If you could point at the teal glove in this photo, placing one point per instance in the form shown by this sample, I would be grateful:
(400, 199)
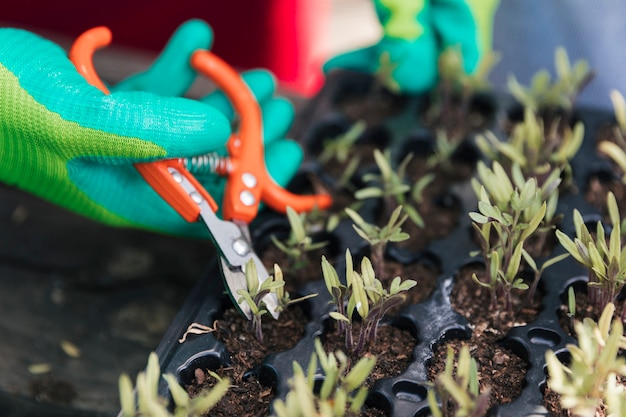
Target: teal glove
(415, 32)
(67, 142)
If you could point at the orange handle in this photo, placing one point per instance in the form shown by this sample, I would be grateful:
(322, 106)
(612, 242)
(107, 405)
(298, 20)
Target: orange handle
(157, 173)
(248, 180)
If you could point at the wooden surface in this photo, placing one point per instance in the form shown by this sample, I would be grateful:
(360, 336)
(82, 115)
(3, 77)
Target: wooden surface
(109, 292)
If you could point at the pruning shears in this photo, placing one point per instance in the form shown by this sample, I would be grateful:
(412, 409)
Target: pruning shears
(248, 182)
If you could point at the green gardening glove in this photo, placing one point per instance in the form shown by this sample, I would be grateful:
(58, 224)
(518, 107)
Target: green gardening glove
(278, 113)
(67, 142)
(414, 33)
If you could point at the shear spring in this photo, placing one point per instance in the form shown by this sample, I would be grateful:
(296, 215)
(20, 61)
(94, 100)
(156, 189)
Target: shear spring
(210, 163)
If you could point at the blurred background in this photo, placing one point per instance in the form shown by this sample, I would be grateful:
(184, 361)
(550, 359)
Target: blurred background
(110, 292)
(293, 37)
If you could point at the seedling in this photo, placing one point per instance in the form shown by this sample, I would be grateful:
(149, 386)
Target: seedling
(379, 237)
(507, 217)
(458, 391)
(604, 259)
(341, 391)
(455, 89)
(543, 93)
(255, 291)
(590, 378)
(444, 150)
(253, 296)
(615, 150)
(364, 295)
(342, 147)
(392, 187)
(149, 404)
(571, 306)
(284, 298)
(299, 242)
(536, 151)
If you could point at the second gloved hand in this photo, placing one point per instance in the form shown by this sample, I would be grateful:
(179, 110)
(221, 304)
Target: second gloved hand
(414, 33)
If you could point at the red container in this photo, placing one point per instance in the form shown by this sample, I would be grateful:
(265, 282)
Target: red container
(284, 36)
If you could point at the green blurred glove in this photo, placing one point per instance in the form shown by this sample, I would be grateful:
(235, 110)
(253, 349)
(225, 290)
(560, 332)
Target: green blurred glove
(67, 142)
(415, 32)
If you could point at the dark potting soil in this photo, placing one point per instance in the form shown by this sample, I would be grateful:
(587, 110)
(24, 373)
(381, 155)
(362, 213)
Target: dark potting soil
(247, 396)
(393, 351)
(424, 275)
(499, 368)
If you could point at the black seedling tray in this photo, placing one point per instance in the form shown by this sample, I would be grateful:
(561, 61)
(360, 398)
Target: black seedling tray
(431, 321)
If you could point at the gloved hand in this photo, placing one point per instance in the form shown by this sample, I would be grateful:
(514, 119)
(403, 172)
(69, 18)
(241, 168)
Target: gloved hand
(69, 143)
(415, 32)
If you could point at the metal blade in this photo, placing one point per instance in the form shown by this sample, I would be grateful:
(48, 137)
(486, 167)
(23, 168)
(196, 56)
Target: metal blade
(233, 243)
(234, 281)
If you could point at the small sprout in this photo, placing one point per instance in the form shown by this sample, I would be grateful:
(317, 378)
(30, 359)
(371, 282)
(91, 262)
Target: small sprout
(458, 391)
(379, 237)
(509, 213)
(562, 93)
(536, 151)
(256, 291)
(571, 306)
(300, 241)
(253, 295)
(284, 299)
(340, 148)
(589, 379)
(451, 109)
(571, 302)
(604, 259)
(390, 184)
(615, 151)
(364, 295)
(149, 404)
(342, 390)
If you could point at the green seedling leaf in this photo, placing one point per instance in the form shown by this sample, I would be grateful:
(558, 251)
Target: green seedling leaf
(127, 396)
(534, 223)
(369, 192)
(201, 404)
(398, 286)
(571, 302)
(153, 373)
(331, 279)
(619, 106)
(339, 317)
(296, 223)
(359, 373)
(179, 395)
(554, 260)
(478, 218)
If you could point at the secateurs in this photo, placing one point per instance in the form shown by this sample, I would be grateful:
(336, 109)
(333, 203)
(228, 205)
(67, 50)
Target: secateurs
(248, 182)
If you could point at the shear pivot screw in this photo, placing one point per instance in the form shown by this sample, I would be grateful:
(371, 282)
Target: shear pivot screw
(196, 197)
(247, 198)
(249, 180)
(241, 247)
